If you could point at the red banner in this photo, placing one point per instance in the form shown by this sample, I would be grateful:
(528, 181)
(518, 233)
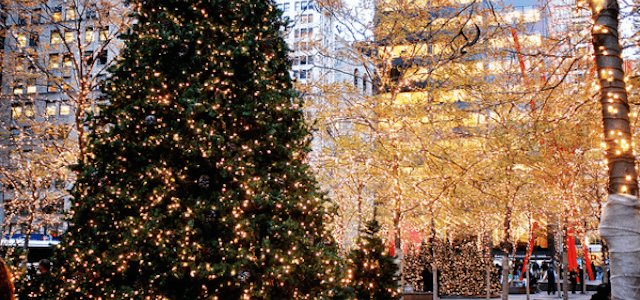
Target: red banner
(531, 244)
(571, 251)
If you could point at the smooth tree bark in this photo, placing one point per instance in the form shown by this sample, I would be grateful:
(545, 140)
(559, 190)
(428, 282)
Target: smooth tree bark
(621, 214)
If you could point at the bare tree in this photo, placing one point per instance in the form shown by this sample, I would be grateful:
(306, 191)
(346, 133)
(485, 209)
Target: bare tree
(54, 60)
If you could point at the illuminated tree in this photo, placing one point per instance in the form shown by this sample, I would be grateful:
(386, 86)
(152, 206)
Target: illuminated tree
(371, 271)
(194, 184)
(621, 214)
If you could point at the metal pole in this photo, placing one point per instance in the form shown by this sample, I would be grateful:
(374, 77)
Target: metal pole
(526, 284)
(584, 276)
(565, 276)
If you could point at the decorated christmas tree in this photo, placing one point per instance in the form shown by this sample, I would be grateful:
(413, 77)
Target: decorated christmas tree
(195, 185)
(371, 272)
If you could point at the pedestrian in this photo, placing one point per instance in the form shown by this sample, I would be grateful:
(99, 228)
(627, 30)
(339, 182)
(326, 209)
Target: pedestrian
(603, 292)
(573, 278)
(38, 286)
(551, 281)
(7, 289)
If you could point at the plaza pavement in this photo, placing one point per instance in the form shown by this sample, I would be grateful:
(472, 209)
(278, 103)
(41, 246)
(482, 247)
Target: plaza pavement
(537, 296)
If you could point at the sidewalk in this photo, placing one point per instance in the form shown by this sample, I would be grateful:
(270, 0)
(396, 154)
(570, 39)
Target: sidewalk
(537, 296)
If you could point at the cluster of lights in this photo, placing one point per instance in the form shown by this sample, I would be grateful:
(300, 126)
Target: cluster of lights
(613, 98)
(257, 226)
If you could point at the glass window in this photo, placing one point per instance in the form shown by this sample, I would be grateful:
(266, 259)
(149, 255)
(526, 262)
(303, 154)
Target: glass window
(51, 109)
(65, 109)
(22, 40)
(297, 8)
(20, 62)
(71, 14)
(66, 61)
(31, 87)
(16, 111)
(29, 110)
(57, 14)
(104, 33)
(55, 37)
(33, 40)
(68, 36)
(88, 35)
(88, 57)
(27, 130)
(286, 6)
(36, 18)
(91, 12)
(52, 87)
(54, 61)
(18, 89)
(103, 57)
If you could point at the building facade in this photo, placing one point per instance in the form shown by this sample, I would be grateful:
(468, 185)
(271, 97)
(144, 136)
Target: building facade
(54, 57)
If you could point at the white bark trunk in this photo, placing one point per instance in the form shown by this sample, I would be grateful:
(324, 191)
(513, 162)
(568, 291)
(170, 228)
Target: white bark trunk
(620, 228)
(505, 276)
(488, 274)
(434, 270)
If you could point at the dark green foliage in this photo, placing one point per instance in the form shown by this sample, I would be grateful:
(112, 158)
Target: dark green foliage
(371, 271)
(195, 185)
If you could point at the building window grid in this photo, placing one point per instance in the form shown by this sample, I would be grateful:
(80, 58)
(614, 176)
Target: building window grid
(306, 18)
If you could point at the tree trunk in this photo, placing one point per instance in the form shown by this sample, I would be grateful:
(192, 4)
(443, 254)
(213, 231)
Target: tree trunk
(434, 270)
(619, 228)
(620, 218)
(488, 274)
(505, 275)
(613, 97)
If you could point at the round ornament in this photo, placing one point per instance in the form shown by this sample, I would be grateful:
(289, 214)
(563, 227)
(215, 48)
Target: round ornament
(183, 50)
(150, 119)
(243, 276)
(203, 181)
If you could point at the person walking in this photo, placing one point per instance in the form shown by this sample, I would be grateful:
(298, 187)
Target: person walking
(551, 281)
(7, 290)
(573, 278)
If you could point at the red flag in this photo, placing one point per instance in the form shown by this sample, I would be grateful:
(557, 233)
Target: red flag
(392, 249)
(571, 251)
